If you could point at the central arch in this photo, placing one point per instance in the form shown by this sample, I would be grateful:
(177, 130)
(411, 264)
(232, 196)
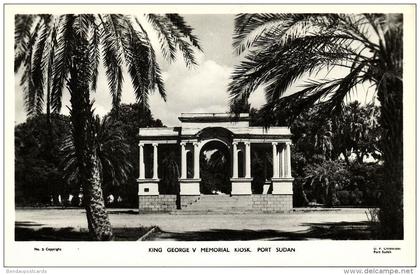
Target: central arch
(215, 167)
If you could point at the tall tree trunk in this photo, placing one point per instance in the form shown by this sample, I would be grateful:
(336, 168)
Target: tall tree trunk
(85, 144)
(391, 213)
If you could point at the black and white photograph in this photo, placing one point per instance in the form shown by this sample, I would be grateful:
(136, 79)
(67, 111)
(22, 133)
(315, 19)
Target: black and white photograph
(223, 131)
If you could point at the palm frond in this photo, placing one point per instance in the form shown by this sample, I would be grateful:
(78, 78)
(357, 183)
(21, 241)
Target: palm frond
(82, 24)
(250, 28)
(179, 22)
(95, 41)
(173, 38)
(50, 57)
(167, 43)
(335, 103)
(113, 28)
(327, 94)
(40, 63)
(62, 60)
(282, 48)
(49, 50)
(155, 73)
(138, 58)
(23, 25)
(280, 67)
(27, 81)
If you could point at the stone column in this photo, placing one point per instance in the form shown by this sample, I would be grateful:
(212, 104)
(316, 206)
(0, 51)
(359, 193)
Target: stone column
(155, 161)
(141, 161)
(241, 185)
(189, 186)
(275, 161)
(281, 161)
(235, 160)
(288, 160)
(247, 159)
(196, 160)
(148, 186)
(282, 182)
(183, 161)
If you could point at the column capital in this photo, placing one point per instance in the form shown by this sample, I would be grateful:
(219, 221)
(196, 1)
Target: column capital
(247, 143)
(183, 143)
(196, 143)
(234, 143)
(288, 143)
(154, 144)
(141, 144)
(274, 143)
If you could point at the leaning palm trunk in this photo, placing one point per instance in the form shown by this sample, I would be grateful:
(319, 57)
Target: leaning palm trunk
(84, 143)
(97, 216)
(391, 214)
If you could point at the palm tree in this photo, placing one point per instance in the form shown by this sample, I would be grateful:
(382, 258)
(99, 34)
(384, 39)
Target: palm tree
(112, 150)
(58, 51)
(283, 48)
(169, 174)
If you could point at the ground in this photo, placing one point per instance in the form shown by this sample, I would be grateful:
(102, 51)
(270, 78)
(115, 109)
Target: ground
(301, 224)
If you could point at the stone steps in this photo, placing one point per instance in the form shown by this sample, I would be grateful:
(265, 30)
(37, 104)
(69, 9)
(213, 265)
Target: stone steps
(218, 204)
(210, 212)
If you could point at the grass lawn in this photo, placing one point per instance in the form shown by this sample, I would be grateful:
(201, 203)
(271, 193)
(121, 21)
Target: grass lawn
(43, 224)
(72, 234)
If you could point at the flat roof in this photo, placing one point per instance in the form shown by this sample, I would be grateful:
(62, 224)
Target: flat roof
(212, 117)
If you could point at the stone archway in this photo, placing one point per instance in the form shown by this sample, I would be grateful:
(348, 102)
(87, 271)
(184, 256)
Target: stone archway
(215, 167)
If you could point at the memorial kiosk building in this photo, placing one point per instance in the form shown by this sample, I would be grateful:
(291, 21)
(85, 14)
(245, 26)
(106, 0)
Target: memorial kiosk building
(240, 139)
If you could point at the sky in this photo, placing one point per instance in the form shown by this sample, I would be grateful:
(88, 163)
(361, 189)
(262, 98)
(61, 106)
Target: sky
(202, 88)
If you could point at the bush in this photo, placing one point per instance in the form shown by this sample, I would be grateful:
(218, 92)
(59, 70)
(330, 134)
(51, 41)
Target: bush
(333, 183)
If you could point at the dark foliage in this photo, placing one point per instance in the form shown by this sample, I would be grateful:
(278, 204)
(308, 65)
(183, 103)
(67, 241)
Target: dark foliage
(38, 178)
(283, 48)
(329, 157)
(215, 169)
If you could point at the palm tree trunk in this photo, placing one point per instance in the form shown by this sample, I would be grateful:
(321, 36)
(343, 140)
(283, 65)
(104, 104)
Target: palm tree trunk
(391, 213)
(85, 145)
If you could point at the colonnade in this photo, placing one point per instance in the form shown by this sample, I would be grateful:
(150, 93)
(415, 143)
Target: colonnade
(184, 167)
(241, 185)
(142, 175)
(281, 160)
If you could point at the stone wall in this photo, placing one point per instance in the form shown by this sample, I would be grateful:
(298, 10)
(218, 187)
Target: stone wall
(159, 203)
(163, 203)
(272, 203)
(269, 203)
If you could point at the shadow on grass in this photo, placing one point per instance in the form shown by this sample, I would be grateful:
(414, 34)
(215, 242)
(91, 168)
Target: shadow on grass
(27, 223)
(130, 212)
(327, 231)
(23, 233)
